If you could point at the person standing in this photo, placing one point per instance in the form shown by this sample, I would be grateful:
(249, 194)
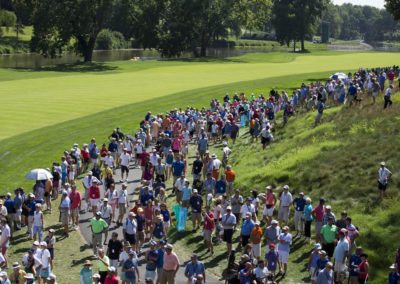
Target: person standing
(286, 201)
(230, 176)
(339, 256)
(124, 159)
(285, 241)
(122, 203)
(307, 218)
(299, 204)
(38, 223)
(103, 263)
(170, 267)
(236, 203)
(194, 268)
(228, 223)
(97, 226)
(208, 228)
(87, 183)
(318, 216)
(106, 215)
(151, 261)
(325, 276)
(47, 262)
(363, 269)
(328, 235)
(255, 240)
(270, 201)
(65, 212)
(246, 229)
(75, 207)
(114, 249)
(383, 179)
(5, 238)
(129, 229)
(18, 202)
(387, 97)
(196, 203)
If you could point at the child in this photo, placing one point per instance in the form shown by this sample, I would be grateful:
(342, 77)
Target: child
(38, 222)
(272, 260)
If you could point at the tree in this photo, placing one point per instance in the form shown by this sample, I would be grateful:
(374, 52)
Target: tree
(393, 6)
(296, 19)
(7, 20)
(59, 23)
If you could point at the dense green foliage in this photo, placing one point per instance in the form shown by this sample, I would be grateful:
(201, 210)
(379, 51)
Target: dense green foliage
(58, 23)
(295, 20)
(108, 39)
(7, 20)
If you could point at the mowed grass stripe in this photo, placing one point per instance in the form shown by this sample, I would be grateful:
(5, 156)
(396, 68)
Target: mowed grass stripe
(82, 94)
(39, 147)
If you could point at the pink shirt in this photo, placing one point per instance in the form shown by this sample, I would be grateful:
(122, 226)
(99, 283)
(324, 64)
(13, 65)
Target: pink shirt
(75, 199)
(319, 212)
(171, 261)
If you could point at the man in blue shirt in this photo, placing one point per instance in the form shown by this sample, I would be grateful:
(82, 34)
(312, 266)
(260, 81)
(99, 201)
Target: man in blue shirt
(196, 203)
(130, 268)
(9, 204)
(246, 229)
(18, 201)
(351, 94)
(177, 169)
(194, 267)
(220, 186)
(160, 260)
(146, 196)
(299, 203)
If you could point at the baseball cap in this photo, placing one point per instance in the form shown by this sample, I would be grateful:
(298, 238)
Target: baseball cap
(317, 246)
(274, 222)
(98, 213)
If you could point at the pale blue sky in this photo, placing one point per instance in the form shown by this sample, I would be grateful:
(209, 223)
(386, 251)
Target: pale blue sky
(375, 3)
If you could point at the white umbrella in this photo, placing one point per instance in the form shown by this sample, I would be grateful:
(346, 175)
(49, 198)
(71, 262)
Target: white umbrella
(39, 174)
(340, 76)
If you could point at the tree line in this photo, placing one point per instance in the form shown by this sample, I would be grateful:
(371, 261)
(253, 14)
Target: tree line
(175, 26)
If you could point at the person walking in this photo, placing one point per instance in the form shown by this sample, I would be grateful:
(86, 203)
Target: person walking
(340, 254)
(383, 179)
(106, 215)
(299, 203)
(325, 276)
(129, 228)
(270, 201)
(208, 228)
(114, 249)
(194, 268)
(387, 97)
(285, 241)
(170, 267)
(75, 207)
(228, 222)
(97, 225)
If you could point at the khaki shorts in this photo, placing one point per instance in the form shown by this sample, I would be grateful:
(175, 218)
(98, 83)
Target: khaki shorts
(122, 208)
(207, 235)
(65, 217)
(74, 212)
(196, 217)
(141, 236)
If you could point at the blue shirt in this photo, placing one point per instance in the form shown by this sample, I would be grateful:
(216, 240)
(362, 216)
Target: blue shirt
(158, 231)
(272, 257)
(243, 278)
(299, 203)
(31, 205)
(145, 198)
(193, 269)
(177, 168)
(220, 187)
(307, 212)
(355, 260)
(393, 278)
(196, 202)
(128, 264)
(165, 214)
(18, 201)
(160, 260)
(9, 204)
(186, 193)
(113, 147)
(247, 226)
(352, 90)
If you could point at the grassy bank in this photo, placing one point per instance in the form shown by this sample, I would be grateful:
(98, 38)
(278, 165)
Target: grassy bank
(338, 160)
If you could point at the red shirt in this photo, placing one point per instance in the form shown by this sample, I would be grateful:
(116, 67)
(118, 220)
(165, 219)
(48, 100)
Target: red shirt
(319, 212)
(113, 279)
(75, 199)
(94, 192)
(208, 224)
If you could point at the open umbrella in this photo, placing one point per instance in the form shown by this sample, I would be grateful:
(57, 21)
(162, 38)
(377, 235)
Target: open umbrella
(340, 76)
(39, 174)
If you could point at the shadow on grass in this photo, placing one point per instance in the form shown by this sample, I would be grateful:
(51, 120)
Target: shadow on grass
(80, 261)
(70, 67)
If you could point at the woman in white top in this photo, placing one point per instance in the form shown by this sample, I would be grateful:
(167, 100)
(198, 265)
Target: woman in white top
(37, 228)
(112, 196)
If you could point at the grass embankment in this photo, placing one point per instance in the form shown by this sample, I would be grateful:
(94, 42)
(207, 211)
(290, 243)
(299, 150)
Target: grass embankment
(9, 43)
(338, 160)
(51, 123)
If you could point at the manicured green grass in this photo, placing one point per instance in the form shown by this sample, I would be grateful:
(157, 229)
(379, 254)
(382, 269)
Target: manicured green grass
(53, 98)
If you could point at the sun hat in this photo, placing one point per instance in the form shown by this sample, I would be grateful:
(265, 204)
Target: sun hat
(229, 208)
(16, 265)
(96, 276)
(105, 199)
(111, 269)
(98, 213)
(286, 187)
(383, 163)
(36, 243)
(3, 273)
(274, 222)
(169, 246)
(43, 244)
(317, 246)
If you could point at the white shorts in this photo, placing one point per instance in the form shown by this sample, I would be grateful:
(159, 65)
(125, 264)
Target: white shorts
(313, 275)
(283, 256)
(268, 212)
(94, 202)
(256, 250)
(340, 267)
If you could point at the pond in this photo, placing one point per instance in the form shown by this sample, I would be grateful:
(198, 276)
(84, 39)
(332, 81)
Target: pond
(34, 60)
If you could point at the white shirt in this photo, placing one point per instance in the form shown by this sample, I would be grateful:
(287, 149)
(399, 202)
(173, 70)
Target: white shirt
(125, 158)
(122, 196)
(154, 159)
(3, 211)
(38, 257)
(37, 219)
(45, 258)
(105, 211)
(261, 272)
(88, 181)
(128, 145)
(180, 183)
(216, 163)
(5, 233)
(383, 174)
(247, 208)
(226, 151)
(109, 161)
(286, 199)
(139, 149)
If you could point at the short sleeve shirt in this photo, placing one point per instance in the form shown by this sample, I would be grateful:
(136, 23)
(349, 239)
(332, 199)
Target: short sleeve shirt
(329, 233)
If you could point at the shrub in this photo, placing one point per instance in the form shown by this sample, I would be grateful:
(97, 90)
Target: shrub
(107, 40)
